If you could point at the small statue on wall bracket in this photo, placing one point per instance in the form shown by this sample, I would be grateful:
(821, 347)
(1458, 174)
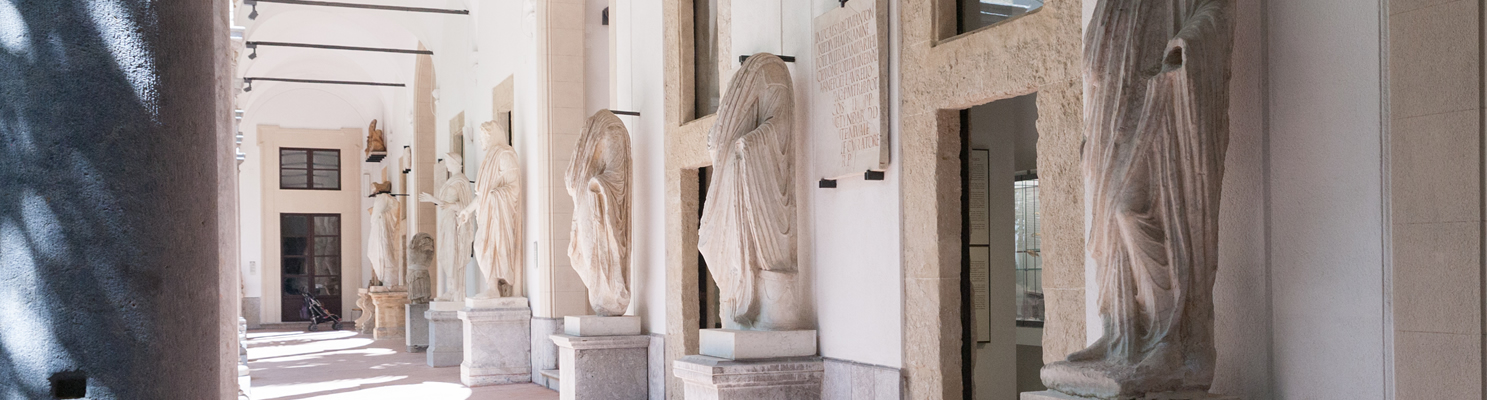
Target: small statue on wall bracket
(376, 143)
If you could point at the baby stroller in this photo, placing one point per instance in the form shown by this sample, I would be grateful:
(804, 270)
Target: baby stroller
(316, 313)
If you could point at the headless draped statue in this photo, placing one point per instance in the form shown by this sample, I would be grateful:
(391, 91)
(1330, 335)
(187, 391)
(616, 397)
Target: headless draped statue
(455, 238)
(1156, 130)
(747, 233)
(384, 244)
(497, 214)
(420, 256)
(598, 179)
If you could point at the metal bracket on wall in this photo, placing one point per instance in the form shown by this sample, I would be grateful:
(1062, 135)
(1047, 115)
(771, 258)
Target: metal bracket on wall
(788, 59)
(827, 184)
(630, 113)
(872, 175)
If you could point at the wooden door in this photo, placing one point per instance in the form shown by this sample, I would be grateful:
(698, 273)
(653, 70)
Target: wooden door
(310, 262)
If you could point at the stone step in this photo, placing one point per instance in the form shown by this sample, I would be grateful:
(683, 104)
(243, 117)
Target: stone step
(552, 378)
(346, 325)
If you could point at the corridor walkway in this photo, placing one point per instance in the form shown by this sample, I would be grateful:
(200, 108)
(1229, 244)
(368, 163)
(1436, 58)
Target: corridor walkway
(296, 365)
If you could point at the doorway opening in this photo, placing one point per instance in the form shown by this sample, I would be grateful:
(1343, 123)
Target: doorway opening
(707, 288)
(311, 262)
(1001, 266)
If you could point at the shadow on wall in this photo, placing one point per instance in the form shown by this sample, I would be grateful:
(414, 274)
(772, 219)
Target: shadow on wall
(103, 245)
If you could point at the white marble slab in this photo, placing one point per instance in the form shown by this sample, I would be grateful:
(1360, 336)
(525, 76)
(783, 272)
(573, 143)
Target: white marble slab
(750, 345)
(594, 325)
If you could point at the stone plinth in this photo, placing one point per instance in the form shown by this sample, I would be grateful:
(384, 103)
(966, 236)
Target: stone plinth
(390, 305)
(602, 367)
(497, 336)
(709, 378)
(417, 327)
(594, 325)
(446, 336)
(752, 345)
(1052, 395)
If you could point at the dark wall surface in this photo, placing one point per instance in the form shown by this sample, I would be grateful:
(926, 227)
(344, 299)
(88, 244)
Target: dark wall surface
(109, 167)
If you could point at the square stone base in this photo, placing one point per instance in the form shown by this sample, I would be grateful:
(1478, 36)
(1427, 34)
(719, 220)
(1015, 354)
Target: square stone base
(417, 328)
(594, 325)
(709, 378)
(391, 307)
(497, 336)
(602, 367)
(754, 345)
(446, 338)
(1052, 395)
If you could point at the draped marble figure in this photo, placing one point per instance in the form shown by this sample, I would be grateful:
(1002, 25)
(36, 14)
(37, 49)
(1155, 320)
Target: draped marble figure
(497, 214)
(598, 179)
(456, 238)
(384, 243)
(1156, 131)
(420, 256)
(747, 233)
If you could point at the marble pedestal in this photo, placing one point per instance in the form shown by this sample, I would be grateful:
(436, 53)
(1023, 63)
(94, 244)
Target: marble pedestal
(497, 341)
(417, 327)
(391, 305)
(752, 345)
(1052, 395)
(366, 320)
(602, 358)
(709, 378)
(446, 334)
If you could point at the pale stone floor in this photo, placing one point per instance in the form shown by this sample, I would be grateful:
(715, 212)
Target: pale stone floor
(295, 365)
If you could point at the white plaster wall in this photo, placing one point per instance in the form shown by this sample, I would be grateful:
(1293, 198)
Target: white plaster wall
(640, 86)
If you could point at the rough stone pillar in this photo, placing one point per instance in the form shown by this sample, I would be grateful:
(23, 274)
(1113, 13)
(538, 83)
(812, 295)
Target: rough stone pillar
(113, 161)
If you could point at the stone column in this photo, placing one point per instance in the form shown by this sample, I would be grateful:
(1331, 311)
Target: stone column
(116, 159)
(602, 358)
(446, 335)
(417, 327)
(497, 337)
(390, 307)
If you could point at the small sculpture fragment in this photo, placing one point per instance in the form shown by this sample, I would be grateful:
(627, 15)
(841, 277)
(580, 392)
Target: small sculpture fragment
(598, 179)
(497, 213)
(420, 255)
(456, 238)
(376, 143)
(747, 233)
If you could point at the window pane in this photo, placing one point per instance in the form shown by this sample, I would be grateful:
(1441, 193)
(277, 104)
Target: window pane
(296, 286)
(705, 39)
(328, 159)
(294, 225)
(327, 246)
(327, 179)
(293, 159)
(328, 226)
(294, 266)
(293, 246)
(327, 286)
(327, 266)
(293, 179)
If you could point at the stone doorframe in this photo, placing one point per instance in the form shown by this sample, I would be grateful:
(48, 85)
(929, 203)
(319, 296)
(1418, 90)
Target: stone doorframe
(942, 73)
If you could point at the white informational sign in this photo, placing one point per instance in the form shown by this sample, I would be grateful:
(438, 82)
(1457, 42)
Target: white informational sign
(978, 202)
(850, 98)
(980, 294)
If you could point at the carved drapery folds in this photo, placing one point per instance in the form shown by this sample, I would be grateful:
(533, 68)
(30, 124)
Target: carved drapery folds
(455, 238)
(1156, 130)
(497, 214)
(598, 178)
(385, 242)
(747, 233)
(420, 256)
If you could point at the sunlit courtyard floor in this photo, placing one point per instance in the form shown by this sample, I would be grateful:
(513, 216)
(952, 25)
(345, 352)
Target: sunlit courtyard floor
(294, 365)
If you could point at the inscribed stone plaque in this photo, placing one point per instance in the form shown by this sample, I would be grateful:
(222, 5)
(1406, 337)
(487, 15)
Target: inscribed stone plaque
(978, 201)
(980, 293)
(851, 92)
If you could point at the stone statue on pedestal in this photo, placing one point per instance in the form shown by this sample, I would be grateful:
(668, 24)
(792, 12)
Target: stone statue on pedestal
(1156, 129)
(384, 242)
(598, 179)
(420, 256)
(497, 214)
(747, 233)
(455, 238)
(375, 140)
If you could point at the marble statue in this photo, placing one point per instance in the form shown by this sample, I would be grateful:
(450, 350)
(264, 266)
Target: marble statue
(455, 238)
(1156, 129)
(384, 242)
(598, 179)
(375, 140)
(497, 214)
(747, 233)
(420, 255)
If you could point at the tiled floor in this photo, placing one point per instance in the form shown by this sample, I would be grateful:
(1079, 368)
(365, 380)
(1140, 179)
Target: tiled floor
(295, 365)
